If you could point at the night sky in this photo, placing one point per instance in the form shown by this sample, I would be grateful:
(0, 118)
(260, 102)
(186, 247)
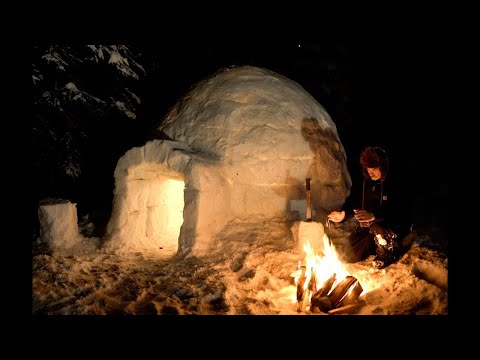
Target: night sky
(377, 93)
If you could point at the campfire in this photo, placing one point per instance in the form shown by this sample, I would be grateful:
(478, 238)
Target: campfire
(323, 284)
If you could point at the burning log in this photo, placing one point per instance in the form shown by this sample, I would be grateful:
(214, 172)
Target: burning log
(324, 304)
(301, 281)
(320, 262)
(348, 309)
(325, 289)
(320, 299)
(342, 299)
(341, 290)
(352, 295)
(303, 294)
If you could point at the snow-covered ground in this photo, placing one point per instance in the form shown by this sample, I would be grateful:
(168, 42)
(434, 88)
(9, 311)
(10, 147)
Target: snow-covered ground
(248, 272)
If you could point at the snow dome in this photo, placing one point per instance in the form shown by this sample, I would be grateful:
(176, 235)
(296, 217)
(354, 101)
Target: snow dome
(242, 144)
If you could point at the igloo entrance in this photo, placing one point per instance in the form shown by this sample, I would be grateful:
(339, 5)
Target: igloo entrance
(164, 212)
(149, 201)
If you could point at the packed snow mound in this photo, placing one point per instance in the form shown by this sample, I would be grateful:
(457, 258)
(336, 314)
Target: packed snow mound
(267, 128)
(242, 144)
(59, 228)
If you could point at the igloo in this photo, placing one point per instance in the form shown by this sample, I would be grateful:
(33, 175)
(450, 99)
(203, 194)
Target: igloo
(241, 145)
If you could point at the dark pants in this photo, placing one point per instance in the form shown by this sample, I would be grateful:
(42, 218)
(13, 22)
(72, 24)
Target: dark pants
(360, 243)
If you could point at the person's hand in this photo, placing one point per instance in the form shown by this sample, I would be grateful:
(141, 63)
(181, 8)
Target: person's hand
(336, 216)
(364, 216)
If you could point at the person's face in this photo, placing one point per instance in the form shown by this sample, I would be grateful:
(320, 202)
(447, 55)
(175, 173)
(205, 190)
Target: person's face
(374, 173)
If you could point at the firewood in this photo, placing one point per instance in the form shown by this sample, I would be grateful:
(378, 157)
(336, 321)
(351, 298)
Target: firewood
(320, 299)
(339, 292)
(305, 302)
(323, 303)
(342, 299)
(348, 309)
(312, 284)
(352, 294)
(301, 282)
(325, 289)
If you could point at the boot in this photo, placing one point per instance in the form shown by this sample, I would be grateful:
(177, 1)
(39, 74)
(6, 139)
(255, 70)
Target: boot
(387, 250)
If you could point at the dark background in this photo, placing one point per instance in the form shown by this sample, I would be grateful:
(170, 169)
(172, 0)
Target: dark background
(377, 93)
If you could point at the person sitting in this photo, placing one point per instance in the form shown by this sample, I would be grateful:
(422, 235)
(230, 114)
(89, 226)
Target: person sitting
(380, 212)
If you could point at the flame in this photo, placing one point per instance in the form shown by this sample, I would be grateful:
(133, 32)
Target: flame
(317, 268)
